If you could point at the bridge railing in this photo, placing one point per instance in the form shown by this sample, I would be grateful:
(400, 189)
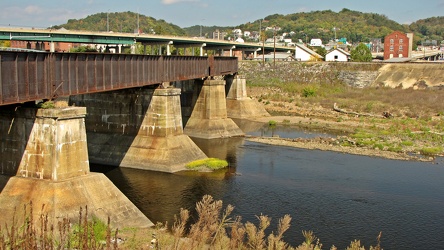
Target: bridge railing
(28, 76)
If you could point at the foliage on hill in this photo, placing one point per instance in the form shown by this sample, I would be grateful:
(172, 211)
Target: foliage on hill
(354, 25)
(126, 22)
(206, 31)
(430, 28)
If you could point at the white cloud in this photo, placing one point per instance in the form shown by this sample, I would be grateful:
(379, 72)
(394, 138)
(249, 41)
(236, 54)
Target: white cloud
(32, 9)
(37, 16)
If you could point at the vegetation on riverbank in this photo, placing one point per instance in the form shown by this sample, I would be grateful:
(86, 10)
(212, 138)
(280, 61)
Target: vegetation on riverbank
(406, 121)
(214, 228)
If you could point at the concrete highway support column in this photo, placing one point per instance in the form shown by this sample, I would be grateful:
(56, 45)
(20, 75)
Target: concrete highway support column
(51, 46)
(160, 143)
(239, 105)
(209, 117)
(54, 175)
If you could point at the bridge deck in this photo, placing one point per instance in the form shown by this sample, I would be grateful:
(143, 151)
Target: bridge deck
(28, 76)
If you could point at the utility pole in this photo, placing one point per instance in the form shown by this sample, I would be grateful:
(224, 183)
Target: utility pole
(263, 53)
(138, 27)
(260, 29)
(263, 42)
(201, 21)
(274, 47)
(107, 21)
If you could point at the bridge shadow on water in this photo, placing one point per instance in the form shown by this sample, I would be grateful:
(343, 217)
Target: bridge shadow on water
(160, 195)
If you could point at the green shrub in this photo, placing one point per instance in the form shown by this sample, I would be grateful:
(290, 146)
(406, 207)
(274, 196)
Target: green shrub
(407, 143)
(431, 151)
(210, 163)
(396, 149)
(46, 105)
(378, 146)
(309, 91)
(272, 123)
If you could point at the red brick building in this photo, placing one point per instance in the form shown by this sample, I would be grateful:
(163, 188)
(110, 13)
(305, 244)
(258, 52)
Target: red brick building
(45, 46)
(397, 45)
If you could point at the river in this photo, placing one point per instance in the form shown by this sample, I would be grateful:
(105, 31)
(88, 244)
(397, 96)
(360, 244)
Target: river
(340, 197)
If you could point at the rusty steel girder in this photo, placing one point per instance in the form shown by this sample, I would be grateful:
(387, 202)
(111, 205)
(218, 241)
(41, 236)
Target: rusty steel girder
(31, 76)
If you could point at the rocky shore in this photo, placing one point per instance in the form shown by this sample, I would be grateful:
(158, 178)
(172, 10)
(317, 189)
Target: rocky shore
(329, 124)
(333, 144)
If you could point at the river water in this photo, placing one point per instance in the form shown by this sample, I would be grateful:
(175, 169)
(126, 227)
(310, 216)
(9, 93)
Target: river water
(340, 197)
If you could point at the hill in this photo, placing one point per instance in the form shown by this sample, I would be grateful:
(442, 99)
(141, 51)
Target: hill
(126, 22)
(431, 28)
(353, 25)
(198, 30)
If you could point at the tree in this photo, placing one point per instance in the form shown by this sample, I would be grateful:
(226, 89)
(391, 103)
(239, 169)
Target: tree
(321, 51)
(361, 53)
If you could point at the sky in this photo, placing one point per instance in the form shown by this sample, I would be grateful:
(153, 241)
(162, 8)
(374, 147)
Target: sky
(186, 13)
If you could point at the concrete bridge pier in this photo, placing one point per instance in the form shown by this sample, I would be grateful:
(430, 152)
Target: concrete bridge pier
(209, 119)
(54, 175)
(160, 143)
(239, 105)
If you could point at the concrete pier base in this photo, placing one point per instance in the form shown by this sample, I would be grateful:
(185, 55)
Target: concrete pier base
(160, 143)
(54, 175)
(209, 117)
(239, 105)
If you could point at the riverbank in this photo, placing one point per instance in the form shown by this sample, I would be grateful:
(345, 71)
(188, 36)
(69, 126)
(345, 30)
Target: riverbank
(388, 134)
(341, 143)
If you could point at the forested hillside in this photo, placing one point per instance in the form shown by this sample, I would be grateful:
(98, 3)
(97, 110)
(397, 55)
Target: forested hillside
(354, 25)
(431, 28)
(126, 22)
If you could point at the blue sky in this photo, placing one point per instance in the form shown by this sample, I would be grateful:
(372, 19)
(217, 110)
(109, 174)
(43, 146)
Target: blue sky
(185, 13)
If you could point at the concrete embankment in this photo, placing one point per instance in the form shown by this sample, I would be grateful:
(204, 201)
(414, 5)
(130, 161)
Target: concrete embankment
(411, 75)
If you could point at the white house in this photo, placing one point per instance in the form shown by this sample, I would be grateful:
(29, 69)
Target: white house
(304, 54)
(316, 42)
(337, 55)
(237, 32)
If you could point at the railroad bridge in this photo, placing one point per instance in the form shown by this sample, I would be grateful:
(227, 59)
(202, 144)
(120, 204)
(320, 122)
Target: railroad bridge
(116, 109)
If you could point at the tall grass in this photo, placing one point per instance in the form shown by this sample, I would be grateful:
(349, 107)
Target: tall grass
(38, 233)
(214, 228)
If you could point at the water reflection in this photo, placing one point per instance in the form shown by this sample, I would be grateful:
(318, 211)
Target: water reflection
(280, 130)
(340, 197)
